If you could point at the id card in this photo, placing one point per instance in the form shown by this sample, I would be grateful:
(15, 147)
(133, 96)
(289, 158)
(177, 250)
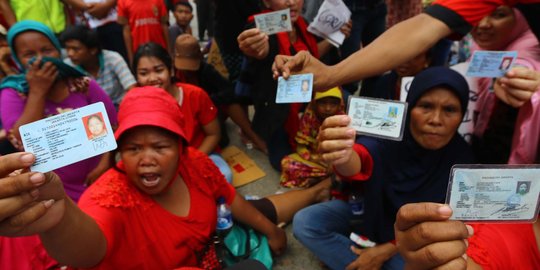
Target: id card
(274, 22)
(491, 64)
(296, 89)
(494, 193)
(377, 117)
(69, 137)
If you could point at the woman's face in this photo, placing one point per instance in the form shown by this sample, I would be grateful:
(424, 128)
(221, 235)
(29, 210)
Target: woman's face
(435, 118)
(95, 125)
(493, 30)
(152, 71)
(295, 6)
(33, 44)
(150, 156)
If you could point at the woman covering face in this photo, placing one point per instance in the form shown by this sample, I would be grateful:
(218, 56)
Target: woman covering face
(388, 174)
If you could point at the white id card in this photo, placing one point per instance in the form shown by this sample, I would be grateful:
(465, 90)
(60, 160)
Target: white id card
(274, 22)
(69, 137)
(494, 193)
(377, 117)
(491, 64)
(296, 89)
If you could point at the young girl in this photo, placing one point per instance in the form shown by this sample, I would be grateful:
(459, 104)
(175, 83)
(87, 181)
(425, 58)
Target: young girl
(152, 65)
(305, 167)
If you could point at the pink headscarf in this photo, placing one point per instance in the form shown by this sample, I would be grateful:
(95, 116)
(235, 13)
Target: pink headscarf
(526, 136)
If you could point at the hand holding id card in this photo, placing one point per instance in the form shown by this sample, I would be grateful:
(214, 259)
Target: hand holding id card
(296, 89)
(69, 137)
(494, 193)
(274, 22)
(377, 117)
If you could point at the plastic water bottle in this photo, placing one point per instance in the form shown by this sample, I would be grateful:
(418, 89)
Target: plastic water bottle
(224, 218)
(356, 201)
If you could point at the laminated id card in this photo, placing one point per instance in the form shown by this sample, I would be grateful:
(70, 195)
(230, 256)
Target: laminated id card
(377, 117)
(70, 137)
(274, 22)
(297, 89)
(494, 193)
(491, 64)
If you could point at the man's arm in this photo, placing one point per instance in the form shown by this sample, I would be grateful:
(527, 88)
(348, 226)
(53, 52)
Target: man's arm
(126, 31)
(395, 46)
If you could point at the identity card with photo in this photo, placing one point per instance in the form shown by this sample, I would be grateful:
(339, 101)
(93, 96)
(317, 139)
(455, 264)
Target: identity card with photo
(274, 22)
(377, 117)
(491, 64)
(494, 193)
(296, 89)
(70, 137)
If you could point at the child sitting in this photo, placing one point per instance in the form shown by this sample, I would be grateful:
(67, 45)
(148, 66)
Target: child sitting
(305, 167)
(183, 14)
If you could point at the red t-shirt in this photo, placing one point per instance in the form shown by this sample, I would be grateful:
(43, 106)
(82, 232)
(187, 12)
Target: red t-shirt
(144, 19)
(504, 246)
(462, 15)
(140, 234)
(198, 109)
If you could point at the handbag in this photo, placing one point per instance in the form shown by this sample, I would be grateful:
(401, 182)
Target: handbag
(243, 243)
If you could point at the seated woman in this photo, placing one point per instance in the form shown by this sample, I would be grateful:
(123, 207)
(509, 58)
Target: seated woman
(451, 243)
(391, 173)
(305, 167)
(152, 65)
(156, 209)
(191, 68)
(503, 134)
(276, 123)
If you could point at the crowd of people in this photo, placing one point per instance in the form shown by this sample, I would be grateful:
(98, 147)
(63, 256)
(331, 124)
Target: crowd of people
(168, 89)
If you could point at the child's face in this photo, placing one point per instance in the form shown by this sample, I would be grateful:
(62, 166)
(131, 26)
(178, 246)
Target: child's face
(326, 107)
(183, 15)
(295, 6)
(153, 72)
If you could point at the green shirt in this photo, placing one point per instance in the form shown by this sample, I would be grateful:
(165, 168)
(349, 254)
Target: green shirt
(48, 12)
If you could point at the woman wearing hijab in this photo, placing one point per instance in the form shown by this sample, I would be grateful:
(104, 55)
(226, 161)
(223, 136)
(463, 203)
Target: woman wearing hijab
(47, 87)
(391, 173)
(504, 134)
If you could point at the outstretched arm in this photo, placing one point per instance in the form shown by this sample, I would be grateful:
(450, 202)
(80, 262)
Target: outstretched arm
(32, 203)
(395, 46)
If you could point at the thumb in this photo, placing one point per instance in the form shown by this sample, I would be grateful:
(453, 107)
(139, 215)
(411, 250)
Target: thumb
(356, 250)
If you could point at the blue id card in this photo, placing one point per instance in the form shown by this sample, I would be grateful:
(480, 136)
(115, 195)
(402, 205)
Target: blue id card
(491, 64)
(296, 89)
(69, 137)
(274, 22)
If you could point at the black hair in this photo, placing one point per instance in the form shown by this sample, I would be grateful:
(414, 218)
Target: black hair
(81, 33)
(151, 49)
(183, 3)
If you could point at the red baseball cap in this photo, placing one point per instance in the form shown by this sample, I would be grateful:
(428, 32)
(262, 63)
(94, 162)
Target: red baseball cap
(150, 106)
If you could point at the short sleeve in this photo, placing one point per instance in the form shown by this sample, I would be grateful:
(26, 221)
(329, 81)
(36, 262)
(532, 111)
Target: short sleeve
(121, 8)
(462, 15)
(163, 13)
(97, 94)
(11, 107)
(207, 176)
(207, 111)
(367, 164)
